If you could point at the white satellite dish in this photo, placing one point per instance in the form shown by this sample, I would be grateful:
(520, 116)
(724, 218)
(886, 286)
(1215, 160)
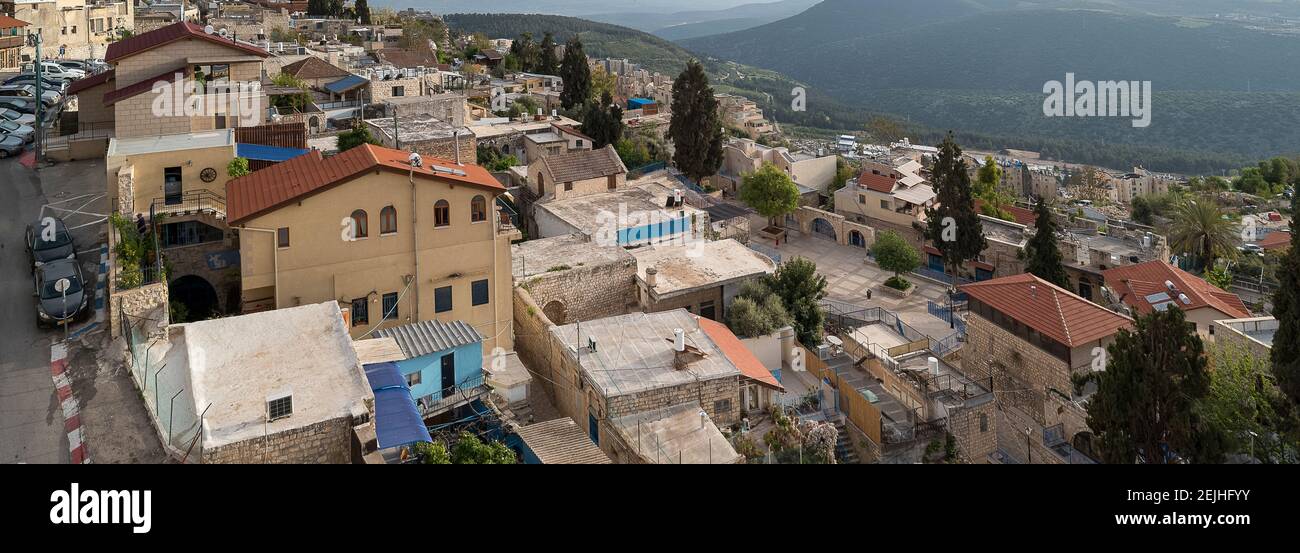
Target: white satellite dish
(62, 285)
(224, 33)
(208, 29)
(415, 160)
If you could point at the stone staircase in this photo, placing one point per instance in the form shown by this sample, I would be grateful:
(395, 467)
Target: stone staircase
(844, 453)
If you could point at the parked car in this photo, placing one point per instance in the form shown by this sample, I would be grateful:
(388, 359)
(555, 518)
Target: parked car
(41, 251)
(48, 83)
(1252, 248)
(48, 97)
(10, 146)
(20, 105)
(24, 132)
(20, 118)
(56, 306)
(49, 67)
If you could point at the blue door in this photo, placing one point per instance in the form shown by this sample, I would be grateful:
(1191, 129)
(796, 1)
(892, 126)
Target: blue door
(593, 429)
(983, 274)
(936, 262)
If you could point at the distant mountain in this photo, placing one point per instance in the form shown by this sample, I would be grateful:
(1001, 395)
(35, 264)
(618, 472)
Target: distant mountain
(696, 22)
(1222, 87)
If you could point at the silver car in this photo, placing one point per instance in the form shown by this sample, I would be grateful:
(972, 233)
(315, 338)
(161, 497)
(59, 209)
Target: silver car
(10, 146)
(55, 305)
(20, 118)
(24, 132)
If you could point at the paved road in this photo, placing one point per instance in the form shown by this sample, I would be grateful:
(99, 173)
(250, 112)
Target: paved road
(31, 418)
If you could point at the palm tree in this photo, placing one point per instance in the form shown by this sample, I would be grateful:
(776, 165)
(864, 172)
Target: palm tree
(1201, 231)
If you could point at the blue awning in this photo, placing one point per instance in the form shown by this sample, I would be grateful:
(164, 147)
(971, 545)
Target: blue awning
(346, 83)
(397, 419)
(260, 152)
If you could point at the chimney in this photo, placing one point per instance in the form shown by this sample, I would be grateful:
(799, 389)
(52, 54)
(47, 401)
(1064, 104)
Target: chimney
(679, 340)
(651, 277)
(456, 136)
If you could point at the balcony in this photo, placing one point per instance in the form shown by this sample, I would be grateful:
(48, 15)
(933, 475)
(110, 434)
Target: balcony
(193, 202)
(464, 392)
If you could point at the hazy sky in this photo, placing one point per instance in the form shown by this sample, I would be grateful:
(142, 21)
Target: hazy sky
(562, 7)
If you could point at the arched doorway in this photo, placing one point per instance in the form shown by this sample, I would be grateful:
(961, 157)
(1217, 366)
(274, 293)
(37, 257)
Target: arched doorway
(555, 311)
(856, 239)
(192, 299)
(824, 228)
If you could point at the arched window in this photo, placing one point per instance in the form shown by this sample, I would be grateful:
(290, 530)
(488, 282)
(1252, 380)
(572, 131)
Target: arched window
(477, 209)
(388, 220)
(441, 214)
(359, 221)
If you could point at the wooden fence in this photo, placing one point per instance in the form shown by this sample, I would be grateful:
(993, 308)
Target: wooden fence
(852, 404)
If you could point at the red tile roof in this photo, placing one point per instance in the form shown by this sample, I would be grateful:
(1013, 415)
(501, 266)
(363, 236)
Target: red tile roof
(739, 353)
(878, 183)
(93, 80)
(1048, 309)
(1022, 216)
(1276, 240)
(7, 22)
(171, 33)
(113, 96)
(1134, 283)
(264, 191)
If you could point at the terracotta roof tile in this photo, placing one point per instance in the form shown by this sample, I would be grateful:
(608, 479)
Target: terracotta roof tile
(270, 188)
(1276, 240)
(1134, 283)
(171, 33)
(7, 22)
(1048, 309)
(878, 183)
(313, 67)
(1021, 215)
(584, 164)
(739, 353)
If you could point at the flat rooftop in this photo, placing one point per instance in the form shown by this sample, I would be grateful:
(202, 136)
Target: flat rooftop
(1112, 245)
(1004, 231)
(699, 264)
(170, 143)
(646, 195)
(418, 128)
(492, 128)
(634, 352)
(549, 256)
(680, 434)
(1260, 329)
(237, 364)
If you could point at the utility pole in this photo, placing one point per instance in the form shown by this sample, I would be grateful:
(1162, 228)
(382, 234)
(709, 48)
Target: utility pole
(35, 40)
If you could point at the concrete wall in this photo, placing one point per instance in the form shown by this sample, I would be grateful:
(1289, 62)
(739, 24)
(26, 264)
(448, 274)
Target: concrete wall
(320, 266)
(148, 171)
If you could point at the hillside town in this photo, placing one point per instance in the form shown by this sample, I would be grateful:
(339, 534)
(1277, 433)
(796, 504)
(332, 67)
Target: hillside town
(590, 262)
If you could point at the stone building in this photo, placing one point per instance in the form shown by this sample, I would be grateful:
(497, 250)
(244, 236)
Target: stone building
(13, 36)
(426, 134)
(1155, 285)
(602, 370)
(702, 277)
(233, 410)
(575, 279)
(77, 29)
(1031, 338)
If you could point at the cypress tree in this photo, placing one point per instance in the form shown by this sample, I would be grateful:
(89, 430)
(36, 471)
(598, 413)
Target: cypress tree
(695, 129)
(1042, 251)
(1286, 308)
(548, 64)
(953, 226)
(363, 11)
(576, 75)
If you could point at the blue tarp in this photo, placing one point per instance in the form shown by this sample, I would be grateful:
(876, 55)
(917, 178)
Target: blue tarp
(345, 84)
(267, 153)
(397, 419)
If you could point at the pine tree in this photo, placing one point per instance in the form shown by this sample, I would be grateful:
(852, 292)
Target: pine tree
(695, 129)
(363, 11)
(1146, 407)
(317, 7)
(1286, 308)
(1044, 257)
(603, 122)
(334, 8)
(576, 75)
(953, 226)
(548, 64)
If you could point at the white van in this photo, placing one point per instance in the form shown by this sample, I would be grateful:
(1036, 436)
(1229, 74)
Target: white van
(51, 68)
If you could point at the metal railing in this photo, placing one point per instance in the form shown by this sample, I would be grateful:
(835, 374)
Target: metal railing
(194, 201)
(465, 391)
